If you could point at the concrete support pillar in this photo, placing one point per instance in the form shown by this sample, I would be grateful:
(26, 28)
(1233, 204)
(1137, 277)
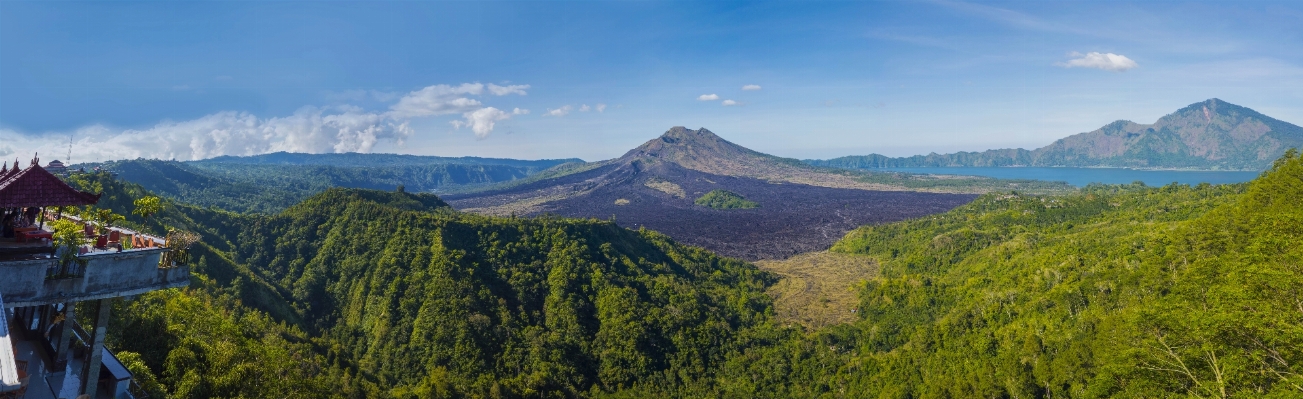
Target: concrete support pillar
(43, 320)
(65, 336)
(91, 374)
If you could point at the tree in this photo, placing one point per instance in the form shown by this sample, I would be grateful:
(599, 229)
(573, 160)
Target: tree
(147, 206)
(67, 237)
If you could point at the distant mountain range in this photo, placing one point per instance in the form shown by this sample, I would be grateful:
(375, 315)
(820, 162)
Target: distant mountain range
(353, 159)
(271, 182)
(1209, 135)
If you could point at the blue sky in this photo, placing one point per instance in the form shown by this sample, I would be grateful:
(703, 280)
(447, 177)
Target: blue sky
(192, 80)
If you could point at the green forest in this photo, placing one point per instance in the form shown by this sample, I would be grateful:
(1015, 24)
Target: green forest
(724, 199)
(1109, 291)
(260, 185)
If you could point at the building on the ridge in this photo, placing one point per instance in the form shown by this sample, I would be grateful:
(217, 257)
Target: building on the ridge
(44, 351)
(56, 167)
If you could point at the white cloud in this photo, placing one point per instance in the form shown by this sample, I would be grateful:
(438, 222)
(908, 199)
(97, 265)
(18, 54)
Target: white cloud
(438, 100)
(708, 97)
(584, 108)
(1105, 61)
(729, 103)
(601, 107)
(565, 109)
(751, 87)
(481, 121)
(310, 129)
(505, 90)
(445, 99)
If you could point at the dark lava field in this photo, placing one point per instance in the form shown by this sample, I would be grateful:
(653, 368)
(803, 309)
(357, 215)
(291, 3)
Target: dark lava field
(791, 219)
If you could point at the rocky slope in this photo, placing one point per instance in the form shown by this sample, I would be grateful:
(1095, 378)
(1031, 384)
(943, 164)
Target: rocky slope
(800, 208)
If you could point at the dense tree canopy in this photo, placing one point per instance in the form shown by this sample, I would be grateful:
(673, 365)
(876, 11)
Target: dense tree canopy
(1113, 291)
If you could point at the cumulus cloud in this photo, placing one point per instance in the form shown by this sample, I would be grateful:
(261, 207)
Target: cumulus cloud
(601, 107)
(310, 129)
(445, 99)
(1105, 61)
(481, 121)
(729, 103)
(751, 87)
(565, 109)
(708, 97)
(584, 108)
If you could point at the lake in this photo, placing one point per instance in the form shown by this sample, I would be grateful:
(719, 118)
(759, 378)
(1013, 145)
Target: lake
(1081, 177)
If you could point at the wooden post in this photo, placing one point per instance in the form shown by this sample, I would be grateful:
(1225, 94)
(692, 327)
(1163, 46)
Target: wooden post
(91, 374)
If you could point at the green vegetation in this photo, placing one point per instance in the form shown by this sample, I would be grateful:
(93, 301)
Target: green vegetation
(1117, 291)
(969, 184)
(269, 188)
(147, 206)
(1113, 291)
(369, 160)
(723, 199)
(372, 294)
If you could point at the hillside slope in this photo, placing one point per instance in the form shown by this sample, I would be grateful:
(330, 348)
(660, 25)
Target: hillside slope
(267, 187)
(391, 294)
(354, 159)
(1115, 292)
(1212, 134)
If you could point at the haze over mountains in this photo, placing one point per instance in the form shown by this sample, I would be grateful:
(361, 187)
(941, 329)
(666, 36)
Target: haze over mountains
(353, 159)
(272, 182)
(1212, 134)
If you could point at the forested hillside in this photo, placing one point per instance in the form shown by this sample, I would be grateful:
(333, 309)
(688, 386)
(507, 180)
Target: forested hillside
(1117, 291)
(1114, 291)
(269, 188)
(370, 160)
(389, 293)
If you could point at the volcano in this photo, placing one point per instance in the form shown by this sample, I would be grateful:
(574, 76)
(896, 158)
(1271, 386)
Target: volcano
(797, 208)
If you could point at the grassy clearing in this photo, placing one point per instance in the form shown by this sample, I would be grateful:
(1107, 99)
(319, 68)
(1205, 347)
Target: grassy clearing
(665, 186)
(818, 288)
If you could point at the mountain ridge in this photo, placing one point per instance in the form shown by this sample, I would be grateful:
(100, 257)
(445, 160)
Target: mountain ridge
(1211, 135)
(356, 159)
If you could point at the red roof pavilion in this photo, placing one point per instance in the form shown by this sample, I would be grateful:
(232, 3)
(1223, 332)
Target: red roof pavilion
(36, 187)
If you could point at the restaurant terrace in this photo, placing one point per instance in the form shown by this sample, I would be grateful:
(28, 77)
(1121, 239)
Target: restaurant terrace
(44, 352)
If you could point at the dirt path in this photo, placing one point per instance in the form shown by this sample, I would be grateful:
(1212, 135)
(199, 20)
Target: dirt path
(818, 288)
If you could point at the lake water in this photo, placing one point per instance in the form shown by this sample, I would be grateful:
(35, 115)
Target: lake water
(1081, 177)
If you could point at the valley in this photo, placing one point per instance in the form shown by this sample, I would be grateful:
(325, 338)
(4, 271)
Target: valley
(391, 294)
